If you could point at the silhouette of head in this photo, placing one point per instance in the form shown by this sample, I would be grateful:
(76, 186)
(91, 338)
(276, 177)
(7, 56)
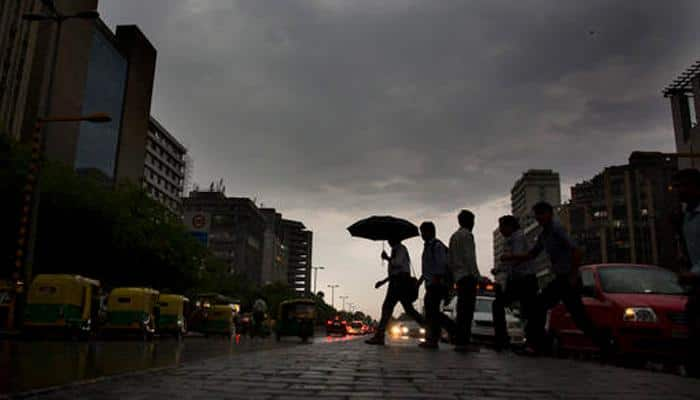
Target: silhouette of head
(544, 213)
(466, 219)
(427, 230)
(507, 225)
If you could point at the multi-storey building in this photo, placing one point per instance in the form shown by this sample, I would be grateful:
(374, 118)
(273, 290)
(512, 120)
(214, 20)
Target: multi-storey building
(298, 243)
(164, 170)
(236, 231)
(88, 69)
(274, 263)
(622, 215)
(534, 186)
(684, 94)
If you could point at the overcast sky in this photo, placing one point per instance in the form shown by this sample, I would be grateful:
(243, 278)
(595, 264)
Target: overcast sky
(333, 110)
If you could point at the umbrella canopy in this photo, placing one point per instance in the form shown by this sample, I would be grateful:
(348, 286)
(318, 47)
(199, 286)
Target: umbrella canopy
(383, 228)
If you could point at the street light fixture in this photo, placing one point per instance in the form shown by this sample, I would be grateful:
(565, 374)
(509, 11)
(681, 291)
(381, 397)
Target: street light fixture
(316, 277)
(343, 298)
(32, 191)
(332, 287)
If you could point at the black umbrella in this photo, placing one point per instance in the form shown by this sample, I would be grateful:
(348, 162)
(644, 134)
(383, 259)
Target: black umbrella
(383, 228)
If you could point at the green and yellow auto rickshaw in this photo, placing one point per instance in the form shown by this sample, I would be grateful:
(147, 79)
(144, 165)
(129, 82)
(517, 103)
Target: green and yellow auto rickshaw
(132, 310)
(62, 302)
(296, 318)
(219, 321)
(173, 311)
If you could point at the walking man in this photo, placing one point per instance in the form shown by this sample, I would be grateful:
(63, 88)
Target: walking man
(566, 259)
(518, 283)
(687, 183)
(435, 276)
(462, 265)
(399, 278)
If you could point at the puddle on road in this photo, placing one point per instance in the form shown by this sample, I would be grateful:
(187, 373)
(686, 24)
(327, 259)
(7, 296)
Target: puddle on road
(27, 365)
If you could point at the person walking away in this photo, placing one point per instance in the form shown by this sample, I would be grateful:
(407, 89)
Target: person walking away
(687, 183)
(518, 282)
(259, 311)
(399, 278)
(462, 265)
(435, 276)
(565, 258)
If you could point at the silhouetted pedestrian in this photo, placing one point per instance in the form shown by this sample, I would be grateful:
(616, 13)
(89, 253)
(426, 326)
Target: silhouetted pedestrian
(687, 183)
(399, 278)
(435, 275)
(518, 282)
(462, 265)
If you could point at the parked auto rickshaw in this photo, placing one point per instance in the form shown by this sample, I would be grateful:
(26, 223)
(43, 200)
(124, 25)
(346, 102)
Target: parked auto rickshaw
(62, 302)
(173, 311)
(296, 318)
(219, 321)
(132, 310)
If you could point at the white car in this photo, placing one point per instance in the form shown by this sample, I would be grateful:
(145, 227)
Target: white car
(482, 324)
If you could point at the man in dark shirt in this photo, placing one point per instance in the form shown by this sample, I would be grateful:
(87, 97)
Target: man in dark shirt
(566, 259)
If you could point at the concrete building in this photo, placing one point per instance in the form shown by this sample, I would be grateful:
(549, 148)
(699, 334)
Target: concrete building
(95, 70)
(236, 231)
(274, 262)
(534, 186)
(623, 214)
(684, 94)
(298, 242)
(164, 169)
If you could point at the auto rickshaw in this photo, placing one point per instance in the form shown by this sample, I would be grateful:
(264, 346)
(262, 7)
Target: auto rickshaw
(203, 305)
(132, 310)
(296, 318)
(173, 309)
(219, 321)
(62, 302)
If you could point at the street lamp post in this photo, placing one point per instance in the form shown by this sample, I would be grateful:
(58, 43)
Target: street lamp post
(343, 298)
(316, 276)
(332, 287)
(32, 191)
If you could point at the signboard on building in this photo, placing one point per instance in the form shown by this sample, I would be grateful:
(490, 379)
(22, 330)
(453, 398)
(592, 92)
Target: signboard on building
(198, 224)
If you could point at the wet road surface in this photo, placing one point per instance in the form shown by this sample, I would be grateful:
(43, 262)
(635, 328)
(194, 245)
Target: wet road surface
(28, 365)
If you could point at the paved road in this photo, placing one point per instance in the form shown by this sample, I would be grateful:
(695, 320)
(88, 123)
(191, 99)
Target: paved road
(353, 370)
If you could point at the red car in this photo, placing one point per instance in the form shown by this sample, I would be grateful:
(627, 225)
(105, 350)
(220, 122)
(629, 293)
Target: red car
(641, 307)
(336, 326)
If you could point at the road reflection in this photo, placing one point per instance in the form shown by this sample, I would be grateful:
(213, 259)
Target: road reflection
(27, 365)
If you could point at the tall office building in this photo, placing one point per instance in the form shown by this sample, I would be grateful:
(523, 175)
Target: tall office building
(164, 169)
(684, 94)
(235, 230)
(95, 70)
(274, 262)
(622, 215)
(298, 242)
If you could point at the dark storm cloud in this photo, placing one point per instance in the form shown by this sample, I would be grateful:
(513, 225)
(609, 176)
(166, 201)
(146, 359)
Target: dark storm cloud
(351, 101)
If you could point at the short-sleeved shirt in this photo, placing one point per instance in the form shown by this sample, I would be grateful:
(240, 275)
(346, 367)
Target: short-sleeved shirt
(691, 235)
(517, 244)
(400, 261)
(559, 247)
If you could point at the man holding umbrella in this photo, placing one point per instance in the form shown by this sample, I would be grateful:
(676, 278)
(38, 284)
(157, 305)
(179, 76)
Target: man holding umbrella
(399, 278)
(402, 287)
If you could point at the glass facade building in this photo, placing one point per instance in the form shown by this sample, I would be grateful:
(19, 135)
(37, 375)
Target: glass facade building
(104, 92)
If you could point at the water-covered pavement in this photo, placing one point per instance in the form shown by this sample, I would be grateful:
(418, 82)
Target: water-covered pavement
(28, 365)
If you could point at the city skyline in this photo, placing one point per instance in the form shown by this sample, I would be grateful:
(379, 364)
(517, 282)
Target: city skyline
(333, 111)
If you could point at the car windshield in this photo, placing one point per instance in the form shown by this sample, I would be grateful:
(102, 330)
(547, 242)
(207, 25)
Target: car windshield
(483, 305)
(639, 280)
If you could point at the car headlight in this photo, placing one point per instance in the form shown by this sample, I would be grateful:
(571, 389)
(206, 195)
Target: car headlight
(422, 331)
(639, 314)
(404, 330)
(395, 330)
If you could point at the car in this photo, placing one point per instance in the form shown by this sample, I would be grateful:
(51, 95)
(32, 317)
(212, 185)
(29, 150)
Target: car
(482, 323)
(355, 328)
(405, 330)
(336, 326)
(641, 308)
